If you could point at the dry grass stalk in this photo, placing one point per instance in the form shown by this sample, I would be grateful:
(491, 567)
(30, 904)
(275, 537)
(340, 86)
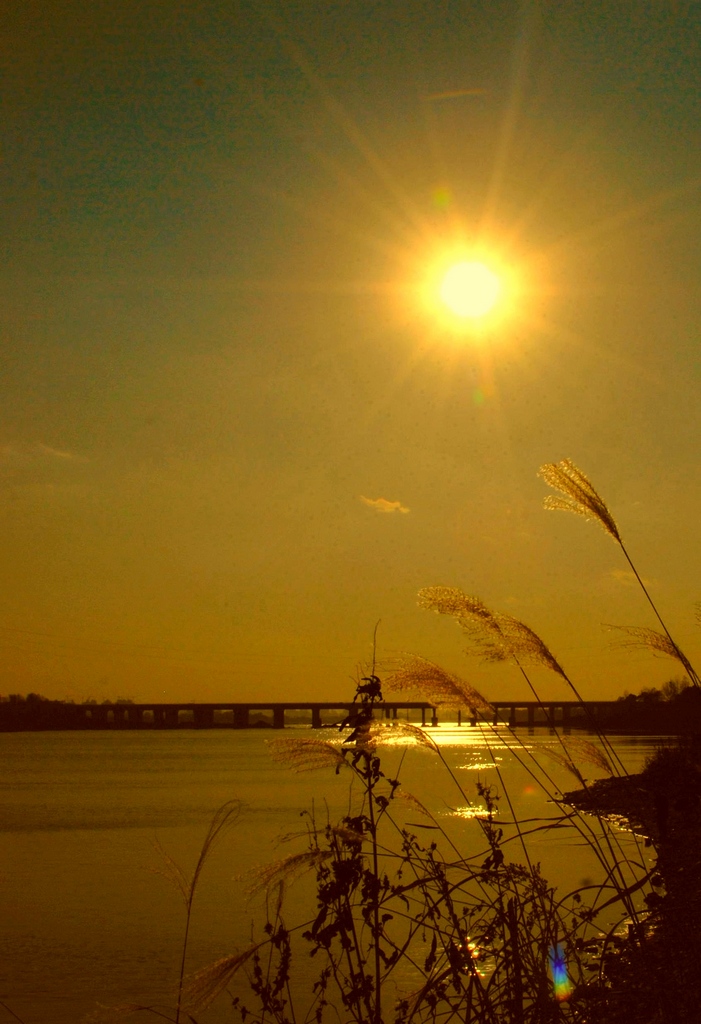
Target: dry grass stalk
(580, 496)
(412, 802)
(348, 835)
(436, 685)
(494, 635)
(172, 872)
(566, 762)
(224, 818)
(208, 983)
(307, 755)
(650, 640)
(584, 750)
(373, 733)
(574, 750)
(286, 870)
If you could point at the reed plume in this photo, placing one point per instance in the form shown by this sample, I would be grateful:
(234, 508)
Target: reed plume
(580, 497)
(499, 637)
(208, 983)
(224, 818)
(574, 750)
(651, 640)
(584, 750)
(494, 635)
(412, 802)
(373, 733)
(436, 685)
(307, 755)
(565, 761)
(285, 870)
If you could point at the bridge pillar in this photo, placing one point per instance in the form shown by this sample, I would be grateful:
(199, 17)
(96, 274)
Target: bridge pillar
(316, 718)
(473, 718)
(423, 716)
(170, 716)
(459, 717)
(388, 712)
(278, 718)
(434, 718)
(512, 717)
(119, 712)
(495, 720)
(204, 718)
(566, 718)
(394, 711)
(99, 717)
(593, 718)
(241, 717)
(550, 713)
(531, 718)
(159, 719)
(134, 718)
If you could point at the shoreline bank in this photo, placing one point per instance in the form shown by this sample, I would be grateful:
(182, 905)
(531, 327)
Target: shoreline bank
(655, 978)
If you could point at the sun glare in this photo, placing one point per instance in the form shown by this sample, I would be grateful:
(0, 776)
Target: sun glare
(470, 289)
(469, 293)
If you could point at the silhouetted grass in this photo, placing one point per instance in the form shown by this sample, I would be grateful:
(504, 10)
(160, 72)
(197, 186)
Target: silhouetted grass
(479, 936)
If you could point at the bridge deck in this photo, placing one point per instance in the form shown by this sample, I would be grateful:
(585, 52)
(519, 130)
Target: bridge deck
(242, 715)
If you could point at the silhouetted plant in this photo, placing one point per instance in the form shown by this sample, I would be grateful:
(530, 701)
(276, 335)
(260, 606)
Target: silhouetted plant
(580, 497)
(227, 815)
(478, 938)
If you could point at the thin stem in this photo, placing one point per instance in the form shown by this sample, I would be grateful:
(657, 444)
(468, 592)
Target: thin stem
(11, 1012)
(376, 903)
(181, 978)
(688, 667)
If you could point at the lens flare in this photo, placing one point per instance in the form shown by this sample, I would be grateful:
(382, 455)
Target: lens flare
(558, 968)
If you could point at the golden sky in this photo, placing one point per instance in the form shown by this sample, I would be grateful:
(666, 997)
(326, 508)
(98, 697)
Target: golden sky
(233, 432)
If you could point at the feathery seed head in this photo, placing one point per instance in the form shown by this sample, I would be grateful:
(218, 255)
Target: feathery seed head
(436, 685)
(524, 643)
(565, 761)
(580, 496)
(584, 750)
(348, 835)
(285, 870)
(494, 635)
(412, 802)
(307, 755)
(376, 732)
(208, 983)
(650, 640)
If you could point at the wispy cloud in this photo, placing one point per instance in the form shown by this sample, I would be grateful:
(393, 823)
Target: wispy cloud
(453, 94)
(37, 450)
(383, 505)
(57, 453)
(626, 578)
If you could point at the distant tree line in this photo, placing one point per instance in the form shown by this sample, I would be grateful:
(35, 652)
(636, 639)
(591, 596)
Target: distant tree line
(678, 690)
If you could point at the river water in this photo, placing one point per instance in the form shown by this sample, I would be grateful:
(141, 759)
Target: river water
(87, 918)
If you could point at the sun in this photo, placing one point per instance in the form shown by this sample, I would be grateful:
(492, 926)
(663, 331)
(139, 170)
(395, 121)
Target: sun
(469, 292)
(470, 289)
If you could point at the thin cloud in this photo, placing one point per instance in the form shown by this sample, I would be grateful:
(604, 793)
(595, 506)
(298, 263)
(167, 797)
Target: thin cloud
(626, 578)
(32, 451)
(383, 505)
(453, 94)
(56, 452)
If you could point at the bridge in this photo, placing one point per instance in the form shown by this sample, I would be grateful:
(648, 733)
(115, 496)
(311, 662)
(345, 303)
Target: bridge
(58, 715)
